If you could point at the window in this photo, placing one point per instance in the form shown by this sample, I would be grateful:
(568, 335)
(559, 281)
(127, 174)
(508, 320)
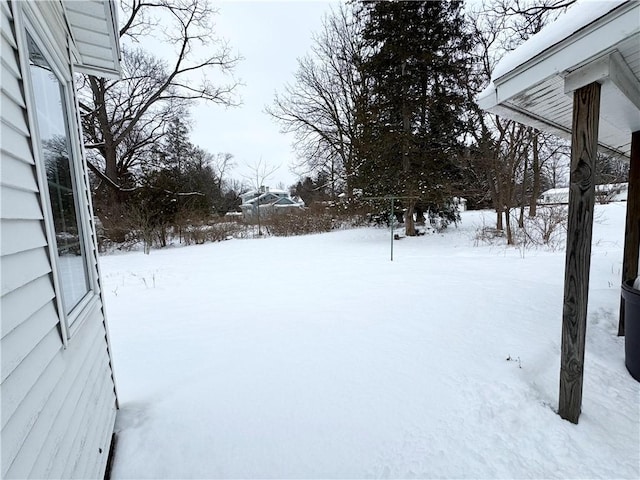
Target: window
(54, 143)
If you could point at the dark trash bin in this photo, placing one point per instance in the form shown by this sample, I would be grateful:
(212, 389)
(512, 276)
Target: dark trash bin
(631, 298)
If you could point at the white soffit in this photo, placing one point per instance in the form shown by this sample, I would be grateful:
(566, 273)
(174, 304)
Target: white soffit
(538, 91)
(94, 28)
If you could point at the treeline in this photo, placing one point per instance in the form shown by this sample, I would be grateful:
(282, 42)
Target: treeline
(383, 105)
(178, 186)
(148, 180)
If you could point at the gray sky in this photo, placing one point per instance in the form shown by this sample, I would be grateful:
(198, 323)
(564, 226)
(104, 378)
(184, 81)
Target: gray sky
(270, 35)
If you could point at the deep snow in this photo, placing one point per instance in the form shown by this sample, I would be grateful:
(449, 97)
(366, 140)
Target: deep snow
(317, 357)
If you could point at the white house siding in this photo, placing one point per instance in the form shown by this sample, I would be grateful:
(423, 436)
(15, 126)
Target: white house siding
(58, 404)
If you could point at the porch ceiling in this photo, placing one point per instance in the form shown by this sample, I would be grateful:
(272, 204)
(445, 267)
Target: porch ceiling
(94, 28)
(594, 41)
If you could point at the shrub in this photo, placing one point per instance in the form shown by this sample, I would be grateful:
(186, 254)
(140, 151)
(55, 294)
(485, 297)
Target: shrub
(212, 232)
(301, 222)
(547, 228)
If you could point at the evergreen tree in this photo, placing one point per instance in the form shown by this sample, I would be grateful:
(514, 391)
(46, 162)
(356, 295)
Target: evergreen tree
(413, 118)
(179, 187)
(176, 150)
(312, 191)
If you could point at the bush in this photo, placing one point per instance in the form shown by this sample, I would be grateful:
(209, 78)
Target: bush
(212, 232)
(547, 228)
(301, 222)
(488, 235)
(441, 216)
(137, 226)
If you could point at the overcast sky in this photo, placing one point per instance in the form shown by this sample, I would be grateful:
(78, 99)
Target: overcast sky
(270, 35)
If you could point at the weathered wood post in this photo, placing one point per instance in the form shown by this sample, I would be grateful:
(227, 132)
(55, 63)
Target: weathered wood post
(584, 147)
(632, 228)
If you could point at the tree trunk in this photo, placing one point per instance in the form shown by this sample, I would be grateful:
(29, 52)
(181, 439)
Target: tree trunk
(507, 214)
(535, 188)
(523, 191)
(333, 180)
(406, 125)
(499, 225)
(409, 224)
(420, 220)
(113, 197)
(109, 147)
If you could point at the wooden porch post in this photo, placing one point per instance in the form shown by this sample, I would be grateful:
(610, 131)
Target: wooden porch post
(584, 147)
(632, 228)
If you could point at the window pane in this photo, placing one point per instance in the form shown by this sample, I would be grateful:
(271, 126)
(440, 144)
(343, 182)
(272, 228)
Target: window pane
(54, 142)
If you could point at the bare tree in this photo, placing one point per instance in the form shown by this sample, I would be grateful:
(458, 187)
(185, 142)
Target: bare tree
(549, 167)
(319, 108)
(123, 118)
(526, 17)
(260, 172)
(507, 153)
(221, 164)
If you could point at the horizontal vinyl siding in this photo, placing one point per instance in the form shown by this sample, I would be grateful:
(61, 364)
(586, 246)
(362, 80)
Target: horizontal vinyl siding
(10, 83)
(20, 235)
(84, 22)
(67, 434)
(8, 47)
(28, 407)
(98, 470)
(20, 268)
(29, 427)
(66, 467)
(43, 443)
(19, 205)
(24, 338)
(95, 447)
(15, 173)
(20, 304)
(14, 142)
(14, 112)
(29, 386)
(58, 404)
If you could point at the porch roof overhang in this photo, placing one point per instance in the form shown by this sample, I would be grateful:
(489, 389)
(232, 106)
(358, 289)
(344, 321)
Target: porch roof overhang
(583, 68)
(593, 41)
(93, 25)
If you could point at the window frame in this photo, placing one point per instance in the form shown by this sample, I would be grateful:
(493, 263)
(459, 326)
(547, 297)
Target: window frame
(26, 22)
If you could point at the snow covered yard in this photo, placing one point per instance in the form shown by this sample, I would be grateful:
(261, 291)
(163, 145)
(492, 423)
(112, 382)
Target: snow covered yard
(317, 357)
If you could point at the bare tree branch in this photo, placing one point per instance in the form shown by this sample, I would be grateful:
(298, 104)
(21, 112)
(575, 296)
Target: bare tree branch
(123, 118)
(320, 107)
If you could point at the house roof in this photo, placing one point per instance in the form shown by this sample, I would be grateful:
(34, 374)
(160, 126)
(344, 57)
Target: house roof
(247, 199)
(253, 195)
(561, 195)
(556, 191)
(267, 199)
(284, 201)
(94, 28)
(593, 41)
(257, 193)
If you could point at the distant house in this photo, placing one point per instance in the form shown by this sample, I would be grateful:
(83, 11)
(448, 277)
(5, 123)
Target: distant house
(554, 196)
(57, 387)
(268, 201)
(610, 192)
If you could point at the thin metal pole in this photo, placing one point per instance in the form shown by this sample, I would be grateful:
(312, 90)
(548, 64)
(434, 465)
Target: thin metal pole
(391, 221)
